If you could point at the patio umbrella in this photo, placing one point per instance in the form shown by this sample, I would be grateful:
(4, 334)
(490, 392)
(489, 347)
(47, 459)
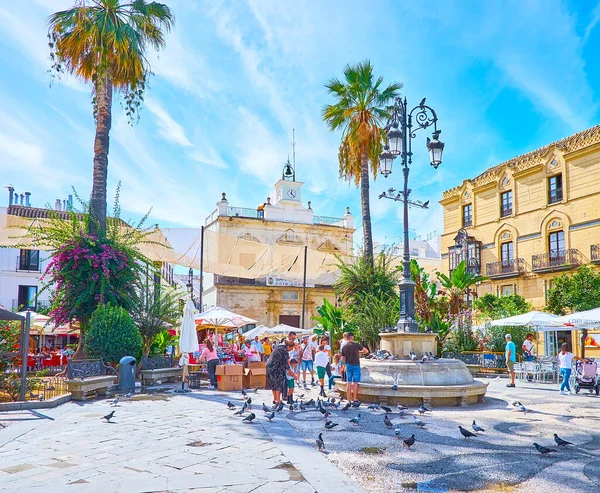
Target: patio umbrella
(529, 319)
(284, 330)
(588, 319)
(188, 339)
(220, 317)
(256, 331)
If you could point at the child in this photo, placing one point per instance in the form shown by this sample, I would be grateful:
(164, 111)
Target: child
(321, 361)
(335, 370)
(291, 378)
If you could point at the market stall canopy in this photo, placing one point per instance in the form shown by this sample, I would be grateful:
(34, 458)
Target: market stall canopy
(588, 319)
(529, 319)
(36, 318)
(283, 330)
(256, 331)
(220, 317)
(7, 315)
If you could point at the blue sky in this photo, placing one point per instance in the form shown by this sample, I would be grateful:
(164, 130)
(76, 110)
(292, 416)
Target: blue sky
(236, 77)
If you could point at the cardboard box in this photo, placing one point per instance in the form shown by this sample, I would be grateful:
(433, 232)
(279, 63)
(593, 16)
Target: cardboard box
(256, 364)
(233, 370)
(255, 378)
(229, 382)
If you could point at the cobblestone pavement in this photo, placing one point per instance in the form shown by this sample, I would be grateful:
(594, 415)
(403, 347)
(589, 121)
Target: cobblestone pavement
(170, 443)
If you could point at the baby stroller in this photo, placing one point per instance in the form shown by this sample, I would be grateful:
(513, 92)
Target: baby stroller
(585, 376)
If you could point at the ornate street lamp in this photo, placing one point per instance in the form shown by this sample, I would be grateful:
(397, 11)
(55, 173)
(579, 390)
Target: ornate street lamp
(399, 131)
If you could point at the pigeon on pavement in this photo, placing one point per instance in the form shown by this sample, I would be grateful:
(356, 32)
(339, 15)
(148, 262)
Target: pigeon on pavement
(302, 406)
(330, 425)
(387, 422)
(516, 404)
(386, 409)
(409, 442)
(249, 401)
(244, 393)
(270, 416)
(373, 407)
(466, 433)
(266, 408)
(326, 415)
(356, 419)
(422, 409)
(280, 407)
(346, 407)
(320, 443)
(398, 432)
(115, 402)
(109, 416)
(476, 427)
(560, 441)
(311, 403)
(129, 394)
(249, 418)
(412, 356)
(523, 409)
(291, 408)
(356, 404)
(543, 450)
(401, 407)
(230, 405)
(418, 422)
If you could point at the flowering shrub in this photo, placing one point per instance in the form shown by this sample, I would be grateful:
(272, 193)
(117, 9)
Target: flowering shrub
(9, 342)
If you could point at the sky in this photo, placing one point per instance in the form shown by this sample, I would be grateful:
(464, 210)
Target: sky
(505, 77)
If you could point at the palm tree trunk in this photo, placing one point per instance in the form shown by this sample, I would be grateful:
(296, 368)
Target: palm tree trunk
(366, 209)
(104, 93)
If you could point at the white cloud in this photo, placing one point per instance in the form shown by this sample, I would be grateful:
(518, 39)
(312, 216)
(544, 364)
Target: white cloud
(593, 22)
(168, 128)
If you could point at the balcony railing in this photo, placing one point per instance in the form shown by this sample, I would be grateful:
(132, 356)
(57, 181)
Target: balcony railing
(505, 268)
(328, 220)
(557, 260)
(595, 254)
(28, 264)
(242, 212)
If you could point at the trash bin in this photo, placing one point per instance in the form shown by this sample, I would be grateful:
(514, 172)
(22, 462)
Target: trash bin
(127, 374)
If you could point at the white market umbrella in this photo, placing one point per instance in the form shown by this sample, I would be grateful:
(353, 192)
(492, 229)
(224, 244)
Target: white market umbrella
(283, 330)
(220, 317)
(529, 319)
(188, 339)
(588, 319)
(256, 331)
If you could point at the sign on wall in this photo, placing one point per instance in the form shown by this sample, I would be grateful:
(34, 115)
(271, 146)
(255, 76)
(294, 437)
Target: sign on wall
(280, 281)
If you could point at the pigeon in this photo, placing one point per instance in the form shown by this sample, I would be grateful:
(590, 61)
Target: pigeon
(326, 415)
(394, 387)
(320, 443)
(115, 402)
(230, 405)
(244, 406)
(337, 406)
(374, 407)
(386, 409)
(248, 401)
(270, 416)
(302, 406)
(412, 356)
(418, 422)
(559, 441)
(424, 359)
(409, 442)
(109, 416)
(330, 425)
(523, 409)
(249, 418)
(401, 407)
(129, 395)
(398, 431)
(356, 419)
(300, 396)
(346, 407)
(543, 450)
(241, 411)
(244, 393)
(422, 409)
(332, 400)
(476, 427)
(466, 433)
(516, 404)
(266, 408)
(401, 413)
(422, 103)
(291, 408)
(356, 404)
(280, 407)
(310, 403)
(387, 422)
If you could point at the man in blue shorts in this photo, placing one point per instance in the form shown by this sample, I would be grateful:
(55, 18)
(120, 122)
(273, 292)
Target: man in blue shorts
(351, 355)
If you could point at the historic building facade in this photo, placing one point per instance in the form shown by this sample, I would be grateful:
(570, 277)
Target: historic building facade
(526, 220)
(282, 220)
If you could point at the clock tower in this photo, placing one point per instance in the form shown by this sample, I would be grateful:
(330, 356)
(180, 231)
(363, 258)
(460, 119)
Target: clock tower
(288, 191)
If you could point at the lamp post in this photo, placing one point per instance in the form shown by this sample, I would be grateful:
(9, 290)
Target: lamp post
(190, 284)
(400, 129)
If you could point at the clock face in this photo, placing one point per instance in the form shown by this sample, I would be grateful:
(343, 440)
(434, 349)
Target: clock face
(291, 193)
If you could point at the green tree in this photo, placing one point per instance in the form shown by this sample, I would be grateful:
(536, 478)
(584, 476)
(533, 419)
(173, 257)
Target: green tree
(492, 307)
(456, 285)
(360, 111)
(112, 335)
(576, 292)
(332, 320)
(377, 314)
(105, 43)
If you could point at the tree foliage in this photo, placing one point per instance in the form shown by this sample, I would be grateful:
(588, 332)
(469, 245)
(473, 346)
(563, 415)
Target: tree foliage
(333, 322)
(577, 292)
(456, 286)
(492, 307)
(377, 314)
(9, 342)
(112, 334)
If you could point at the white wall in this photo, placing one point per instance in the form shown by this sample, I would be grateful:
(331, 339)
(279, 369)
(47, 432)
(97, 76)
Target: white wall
(11, 278)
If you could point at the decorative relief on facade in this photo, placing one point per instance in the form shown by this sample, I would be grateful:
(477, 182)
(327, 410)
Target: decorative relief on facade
(249, 237)
(555, 224)
(290, 237)
(466, 195)
(506, 236)
(505, 181)
(554, 163)
(328, 246)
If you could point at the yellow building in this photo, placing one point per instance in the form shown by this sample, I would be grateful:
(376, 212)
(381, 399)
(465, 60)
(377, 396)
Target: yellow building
(526, 220)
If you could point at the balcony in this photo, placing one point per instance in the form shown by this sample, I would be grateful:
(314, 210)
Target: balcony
(331, 221)
(595, 254)
(557, 260)
(505, 268)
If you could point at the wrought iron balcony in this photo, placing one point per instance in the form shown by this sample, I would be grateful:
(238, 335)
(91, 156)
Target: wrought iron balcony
(557, 260)
(505, 268)
(595, 254)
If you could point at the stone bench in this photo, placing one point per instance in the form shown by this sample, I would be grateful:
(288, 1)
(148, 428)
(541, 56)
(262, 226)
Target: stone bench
(150, 377)
(88, 378)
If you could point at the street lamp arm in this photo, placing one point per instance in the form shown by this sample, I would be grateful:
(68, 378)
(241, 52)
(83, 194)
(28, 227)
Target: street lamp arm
(424, 117)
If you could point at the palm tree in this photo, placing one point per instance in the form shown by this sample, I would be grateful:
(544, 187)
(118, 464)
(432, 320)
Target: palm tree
(104, 43)
(361, 110)
(457, 285)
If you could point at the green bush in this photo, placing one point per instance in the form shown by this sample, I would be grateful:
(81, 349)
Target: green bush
(495, 341)
(112, 335)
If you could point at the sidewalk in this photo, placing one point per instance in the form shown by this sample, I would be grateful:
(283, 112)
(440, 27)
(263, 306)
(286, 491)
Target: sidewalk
(163, 442)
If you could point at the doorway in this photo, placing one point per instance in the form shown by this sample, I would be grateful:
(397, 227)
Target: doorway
(291, 320)
(554, 339)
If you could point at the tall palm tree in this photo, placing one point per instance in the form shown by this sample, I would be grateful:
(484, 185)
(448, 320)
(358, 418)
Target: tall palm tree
(104, 43)
(361, 110)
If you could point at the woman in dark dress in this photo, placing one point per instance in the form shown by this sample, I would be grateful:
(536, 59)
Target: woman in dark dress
(277, 367)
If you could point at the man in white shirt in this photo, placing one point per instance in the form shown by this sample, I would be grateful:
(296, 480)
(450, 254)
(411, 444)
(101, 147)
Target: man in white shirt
(528, 347)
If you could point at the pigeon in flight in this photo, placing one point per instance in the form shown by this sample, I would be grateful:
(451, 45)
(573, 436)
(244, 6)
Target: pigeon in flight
(249, 418)
(266, 408)
(559, 441)
(409, 442)
(516, 404)
(418, 422)
(543, 450)
(356, 419)
(476, 427)
(115, 402)
(330, 425)
(300, 396)
(386, 409)
(346, 407)
(466, 433)
(270, 416)
(230, 405)
(109, 416)
(320, 443)
(387, 422)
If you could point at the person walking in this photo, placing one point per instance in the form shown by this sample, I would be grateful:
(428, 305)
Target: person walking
(565, 360)
(321, 362)
(511, 358)
(351, 355)
(277, 371)
(308, 353)
(209, 354)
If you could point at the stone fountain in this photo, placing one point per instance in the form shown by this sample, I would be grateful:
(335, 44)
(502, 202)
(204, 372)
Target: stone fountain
(438, 382)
